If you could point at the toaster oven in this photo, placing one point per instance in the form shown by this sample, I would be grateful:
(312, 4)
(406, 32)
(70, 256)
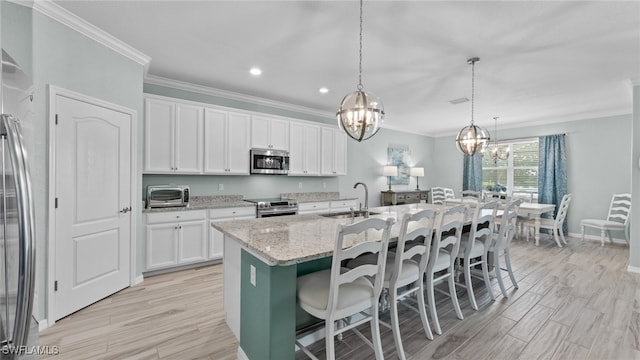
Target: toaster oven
(160, 196)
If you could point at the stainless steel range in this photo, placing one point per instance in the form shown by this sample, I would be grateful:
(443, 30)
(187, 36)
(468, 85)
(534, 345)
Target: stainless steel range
(274, 207)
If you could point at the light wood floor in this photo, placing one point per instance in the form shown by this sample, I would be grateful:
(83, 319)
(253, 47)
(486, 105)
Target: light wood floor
(577, 302)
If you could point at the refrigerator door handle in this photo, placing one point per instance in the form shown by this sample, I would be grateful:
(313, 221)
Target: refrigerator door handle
(27, 255)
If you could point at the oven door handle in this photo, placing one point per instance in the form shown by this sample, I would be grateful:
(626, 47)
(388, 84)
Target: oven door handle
(293, 210)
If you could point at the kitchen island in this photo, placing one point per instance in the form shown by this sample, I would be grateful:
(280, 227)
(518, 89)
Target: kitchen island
(262, 260)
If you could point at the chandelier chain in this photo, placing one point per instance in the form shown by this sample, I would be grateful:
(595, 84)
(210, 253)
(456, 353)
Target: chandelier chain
(473, 68)
(495, 131)
(360, 64)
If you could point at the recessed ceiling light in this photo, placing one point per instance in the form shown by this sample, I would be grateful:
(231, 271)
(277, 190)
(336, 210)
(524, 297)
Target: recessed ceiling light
(323, 90)
(255, 71)
(459, 100)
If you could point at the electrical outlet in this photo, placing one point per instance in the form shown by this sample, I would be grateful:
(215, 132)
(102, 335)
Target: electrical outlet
(220, 187)
(300, 185)
(253, 275)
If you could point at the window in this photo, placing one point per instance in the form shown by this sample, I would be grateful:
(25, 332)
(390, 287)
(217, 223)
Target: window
(519, 172)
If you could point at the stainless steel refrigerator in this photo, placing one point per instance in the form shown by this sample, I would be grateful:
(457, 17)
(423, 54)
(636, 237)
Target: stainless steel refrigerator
(18, 328)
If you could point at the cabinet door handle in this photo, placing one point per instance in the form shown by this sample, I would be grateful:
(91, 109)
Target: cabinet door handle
(125, 210)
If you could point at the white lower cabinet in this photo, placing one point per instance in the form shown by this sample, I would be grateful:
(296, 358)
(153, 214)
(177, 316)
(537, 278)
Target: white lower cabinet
(175, 238)
(343, 205)
(318, 207)
(192, 244)
(216, 238)
(314, 207)
(182, 237)
(161, 246)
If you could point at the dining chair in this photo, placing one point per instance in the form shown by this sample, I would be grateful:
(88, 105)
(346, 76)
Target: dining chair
(553, 224)
(440, 194)
(471, 194)
(437, 195)
(474, 247)
(521, 222)
(442, 259)
(501, 243)
(449, 194)
(617, 219)
(405, 270)
(339, 293)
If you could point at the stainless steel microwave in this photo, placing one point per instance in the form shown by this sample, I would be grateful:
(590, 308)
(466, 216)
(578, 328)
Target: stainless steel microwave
(159, 196)
(270, 162)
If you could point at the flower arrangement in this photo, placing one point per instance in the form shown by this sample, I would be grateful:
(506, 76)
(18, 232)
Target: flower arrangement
(497, 187)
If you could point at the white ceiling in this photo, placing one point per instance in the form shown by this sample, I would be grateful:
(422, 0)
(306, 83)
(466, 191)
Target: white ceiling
(540, 61)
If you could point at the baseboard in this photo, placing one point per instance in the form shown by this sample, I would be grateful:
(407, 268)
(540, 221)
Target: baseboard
(241, 354)
(633, 269)
(596, 238)
(138, 280)
(43, 324)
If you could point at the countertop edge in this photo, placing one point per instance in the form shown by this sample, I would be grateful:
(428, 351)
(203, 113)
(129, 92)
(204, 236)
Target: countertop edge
(209, 206)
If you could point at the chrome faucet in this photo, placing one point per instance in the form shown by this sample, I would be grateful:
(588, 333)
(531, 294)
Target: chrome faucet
(366, 198)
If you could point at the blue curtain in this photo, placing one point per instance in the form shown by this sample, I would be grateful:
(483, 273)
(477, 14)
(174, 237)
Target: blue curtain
(472, 172)
(552, 170)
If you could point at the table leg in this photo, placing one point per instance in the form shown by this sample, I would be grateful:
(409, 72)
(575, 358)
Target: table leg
(537, 230)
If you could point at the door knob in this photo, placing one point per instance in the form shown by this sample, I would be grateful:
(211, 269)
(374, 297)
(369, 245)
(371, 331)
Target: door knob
(125, 210)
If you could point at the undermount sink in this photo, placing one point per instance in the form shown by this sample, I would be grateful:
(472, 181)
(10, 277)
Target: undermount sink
(348, 214)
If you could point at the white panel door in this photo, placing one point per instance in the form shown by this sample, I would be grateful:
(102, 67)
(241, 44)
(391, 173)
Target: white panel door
(238, 144)
(158, 136)
(215, 148)
(93, 191)
(188, 139)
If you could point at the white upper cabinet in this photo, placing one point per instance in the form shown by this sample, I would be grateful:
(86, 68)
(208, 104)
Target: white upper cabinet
(183, 137)
(334, 152)
(188, 139)
(173, 137)
(304, 153)
(226, 142)
(269, 133)
(158, 136)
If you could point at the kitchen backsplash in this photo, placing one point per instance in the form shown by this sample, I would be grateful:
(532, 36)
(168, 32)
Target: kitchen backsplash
(312, 196)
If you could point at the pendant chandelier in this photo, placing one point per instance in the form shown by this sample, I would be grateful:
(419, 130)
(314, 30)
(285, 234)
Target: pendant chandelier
(472, 138)
(495, 152)
(360, 113)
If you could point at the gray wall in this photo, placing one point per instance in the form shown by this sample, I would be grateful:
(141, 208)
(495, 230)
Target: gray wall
(56, 55)
(598, 158)
(634, 248)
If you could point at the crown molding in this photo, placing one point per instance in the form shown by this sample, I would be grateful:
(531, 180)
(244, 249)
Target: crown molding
(206, 90)
(65, 17)
(634, 81)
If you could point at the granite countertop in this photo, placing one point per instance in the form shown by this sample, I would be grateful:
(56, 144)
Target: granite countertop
(307, 197)
(207, 202)
(286, 240)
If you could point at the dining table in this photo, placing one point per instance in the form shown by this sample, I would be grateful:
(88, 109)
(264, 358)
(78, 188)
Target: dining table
(534, 211)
